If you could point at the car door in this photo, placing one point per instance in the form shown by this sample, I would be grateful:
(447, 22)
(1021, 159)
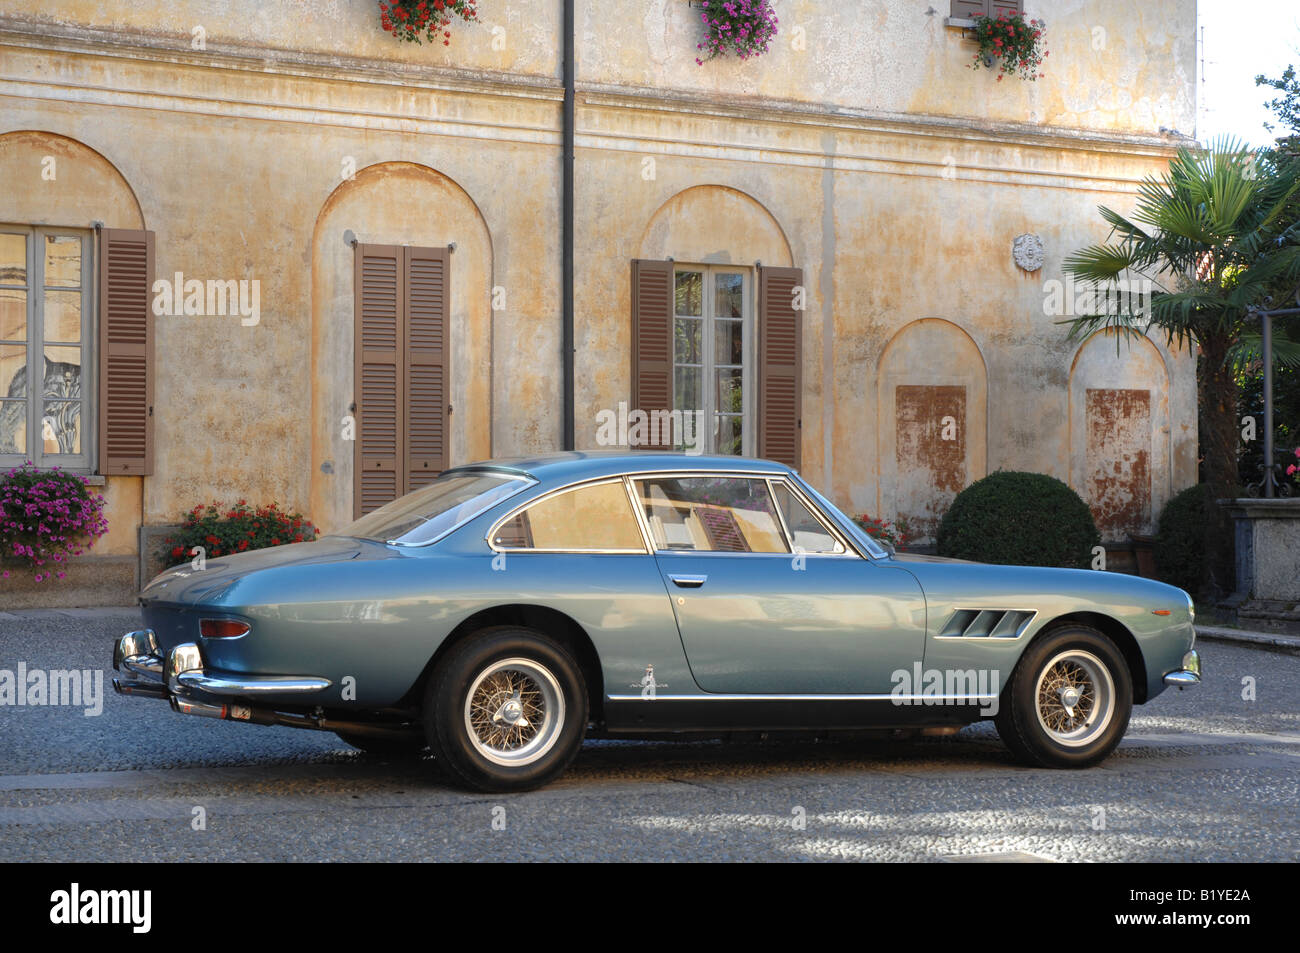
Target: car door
(580, 550)
(757, 618)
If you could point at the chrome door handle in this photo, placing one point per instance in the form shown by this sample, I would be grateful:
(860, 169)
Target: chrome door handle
(687, 582)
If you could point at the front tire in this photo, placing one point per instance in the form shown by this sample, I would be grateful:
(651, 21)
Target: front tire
(506, 710)
(1069, 700)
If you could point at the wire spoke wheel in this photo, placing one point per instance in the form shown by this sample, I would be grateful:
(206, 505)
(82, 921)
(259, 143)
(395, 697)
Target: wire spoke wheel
(1074, 698)
(514, 711)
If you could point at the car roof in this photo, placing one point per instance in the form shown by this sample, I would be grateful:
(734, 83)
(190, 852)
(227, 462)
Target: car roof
(587, 464)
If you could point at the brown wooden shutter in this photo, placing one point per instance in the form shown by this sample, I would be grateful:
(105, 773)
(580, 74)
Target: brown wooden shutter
(379, 359)
(969, 9)
(652, 339)
(779, 360)
(1009, 8)
(126, 342)
(426, 363)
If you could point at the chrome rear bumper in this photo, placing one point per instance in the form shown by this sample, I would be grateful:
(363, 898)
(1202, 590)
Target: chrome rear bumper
(180, 673)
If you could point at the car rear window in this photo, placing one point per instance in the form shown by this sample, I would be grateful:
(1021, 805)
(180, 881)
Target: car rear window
(433, 511)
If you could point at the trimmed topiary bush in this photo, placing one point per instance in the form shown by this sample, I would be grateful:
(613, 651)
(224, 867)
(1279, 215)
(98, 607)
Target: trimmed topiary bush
(1180, 540)
(1027, 519)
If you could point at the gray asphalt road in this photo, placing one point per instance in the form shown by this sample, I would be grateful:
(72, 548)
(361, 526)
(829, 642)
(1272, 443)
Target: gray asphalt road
(1202, 775)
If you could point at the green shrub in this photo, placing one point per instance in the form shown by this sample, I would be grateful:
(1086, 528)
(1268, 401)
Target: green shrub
(1026, 519)
(1179, 547)
(237, 529)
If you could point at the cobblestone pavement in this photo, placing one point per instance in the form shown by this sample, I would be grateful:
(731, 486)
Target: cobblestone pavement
(1203, 774)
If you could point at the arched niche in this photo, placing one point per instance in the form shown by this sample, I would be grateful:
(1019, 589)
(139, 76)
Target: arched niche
(396, 203)
(715, 225)
(53, 180)
(1119, 432)
(932, 422)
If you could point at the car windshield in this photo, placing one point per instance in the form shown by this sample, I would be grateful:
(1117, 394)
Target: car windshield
(433, 511)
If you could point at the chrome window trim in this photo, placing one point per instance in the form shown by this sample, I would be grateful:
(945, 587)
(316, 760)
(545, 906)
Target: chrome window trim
(528, 482)
(804, 490)
(567, 488)
(815, 510)
(768, 477)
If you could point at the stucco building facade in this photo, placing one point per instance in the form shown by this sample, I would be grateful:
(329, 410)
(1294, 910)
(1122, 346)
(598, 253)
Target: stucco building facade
(860, 187)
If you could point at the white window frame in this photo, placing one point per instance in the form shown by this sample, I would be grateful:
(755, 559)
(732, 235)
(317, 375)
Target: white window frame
(708, 357)
(82, 462)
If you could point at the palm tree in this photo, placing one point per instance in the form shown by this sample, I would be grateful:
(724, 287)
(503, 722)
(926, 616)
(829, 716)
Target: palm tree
(1216, 234)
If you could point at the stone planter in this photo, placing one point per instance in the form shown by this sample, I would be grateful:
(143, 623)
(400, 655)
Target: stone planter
(90, 581)
(1267, 534)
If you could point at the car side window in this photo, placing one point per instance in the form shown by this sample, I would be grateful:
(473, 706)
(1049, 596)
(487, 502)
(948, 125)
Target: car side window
(595, 517)
(806, 531)
(711, 514)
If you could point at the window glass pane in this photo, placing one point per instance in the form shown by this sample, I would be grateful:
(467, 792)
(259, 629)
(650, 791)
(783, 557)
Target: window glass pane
(729, 390)
(13, 259)
(808, 533)
(729, 342)
(689, 285)
(13, 370)
(729, 290)
(729, 438)
(436, 508)
(13, 314)
(686, 340)
(711, 514)
(62, 261)
(63, 316)
(13, 426)
(62, 372)
(590, 517)
(686, 389)
(61, 426)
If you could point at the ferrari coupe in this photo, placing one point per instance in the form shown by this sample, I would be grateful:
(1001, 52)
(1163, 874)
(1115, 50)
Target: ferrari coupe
(509, 609)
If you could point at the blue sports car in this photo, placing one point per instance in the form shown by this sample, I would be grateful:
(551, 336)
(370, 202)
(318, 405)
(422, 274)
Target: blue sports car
(507, 610)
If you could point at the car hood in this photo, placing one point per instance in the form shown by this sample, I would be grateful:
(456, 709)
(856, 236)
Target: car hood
(186, 584)
(923, 558)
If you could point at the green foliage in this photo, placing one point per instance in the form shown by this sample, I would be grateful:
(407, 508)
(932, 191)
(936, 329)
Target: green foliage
(1180, 539)
(236, 529)
(1216, 234)
(1014, 518)
(1287, 105)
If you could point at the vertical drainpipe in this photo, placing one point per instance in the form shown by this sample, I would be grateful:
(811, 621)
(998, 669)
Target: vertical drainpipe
(566, 343)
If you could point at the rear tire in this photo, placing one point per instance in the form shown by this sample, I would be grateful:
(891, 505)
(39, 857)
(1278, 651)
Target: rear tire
(1069, 700)
(506, 710)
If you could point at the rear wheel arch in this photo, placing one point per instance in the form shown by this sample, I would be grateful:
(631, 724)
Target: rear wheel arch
(1118, 633)
(559, 626)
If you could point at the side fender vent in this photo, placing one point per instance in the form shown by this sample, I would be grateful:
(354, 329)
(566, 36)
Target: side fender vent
(986, 624)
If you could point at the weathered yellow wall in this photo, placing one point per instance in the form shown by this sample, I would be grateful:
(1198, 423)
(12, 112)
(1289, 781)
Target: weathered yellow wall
(872, 158)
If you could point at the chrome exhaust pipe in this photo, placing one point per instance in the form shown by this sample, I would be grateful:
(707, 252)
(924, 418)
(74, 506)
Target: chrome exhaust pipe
(183, 707)
(145, 689)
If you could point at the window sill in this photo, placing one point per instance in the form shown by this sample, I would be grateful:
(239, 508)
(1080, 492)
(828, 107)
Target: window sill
(959, 23)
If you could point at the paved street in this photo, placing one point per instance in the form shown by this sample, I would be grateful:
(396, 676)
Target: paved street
(1202, 775)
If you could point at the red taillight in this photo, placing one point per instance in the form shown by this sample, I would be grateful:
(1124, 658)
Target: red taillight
(222, 628)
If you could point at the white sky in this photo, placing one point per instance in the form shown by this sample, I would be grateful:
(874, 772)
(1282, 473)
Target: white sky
(1237, 40)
